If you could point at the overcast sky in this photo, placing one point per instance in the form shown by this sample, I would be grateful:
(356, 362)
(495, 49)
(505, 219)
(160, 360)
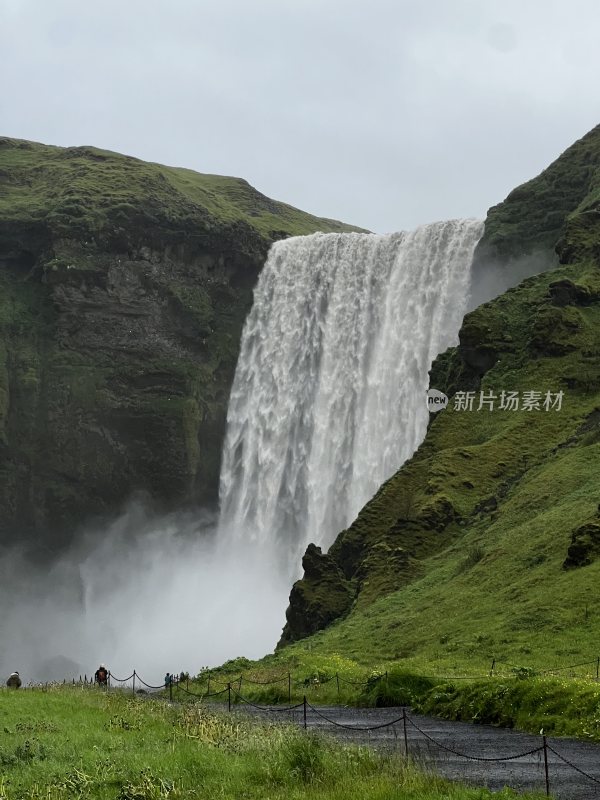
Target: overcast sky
(382, 113)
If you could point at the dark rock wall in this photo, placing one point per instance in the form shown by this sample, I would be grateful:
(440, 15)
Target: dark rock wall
(115, 369)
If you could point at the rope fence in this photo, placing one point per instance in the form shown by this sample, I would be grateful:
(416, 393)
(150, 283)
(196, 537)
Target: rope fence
(122, 680)
(570, 764)
(595, 663)
(268, 709)
(307, 708)
(469, 757)
(264, 683)
(202, 696)
(544, 748)
(355, 727)
(314, 682)
(149, 685)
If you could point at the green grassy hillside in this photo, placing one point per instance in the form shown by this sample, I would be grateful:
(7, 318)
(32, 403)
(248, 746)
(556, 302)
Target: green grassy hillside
(86, 190)
(533, 216)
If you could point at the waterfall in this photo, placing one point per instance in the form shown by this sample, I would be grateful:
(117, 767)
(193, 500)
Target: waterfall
(328, 398)
(327, 402)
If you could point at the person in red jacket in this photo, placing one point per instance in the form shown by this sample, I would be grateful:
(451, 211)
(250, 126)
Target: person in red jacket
(101, 676)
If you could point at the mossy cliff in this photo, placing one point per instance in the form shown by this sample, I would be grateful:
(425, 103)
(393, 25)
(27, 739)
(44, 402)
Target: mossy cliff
(124, 286)
(522, 232)
(489, 533)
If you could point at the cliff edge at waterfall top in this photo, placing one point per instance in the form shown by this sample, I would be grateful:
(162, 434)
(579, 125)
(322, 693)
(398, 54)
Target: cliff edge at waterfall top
(124, 288)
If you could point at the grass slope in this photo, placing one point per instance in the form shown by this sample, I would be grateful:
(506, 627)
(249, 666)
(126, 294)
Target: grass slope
(87, 189)
(82, 743)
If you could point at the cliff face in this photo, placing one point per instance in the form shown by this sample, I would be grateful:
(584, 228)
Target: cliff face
(123, 290)
(489, 495)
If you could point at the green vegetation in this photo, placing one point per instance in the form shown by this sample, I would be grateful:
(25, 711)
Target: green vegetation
(82, 743)
(559, 707)
(83, 191)
(537, 215)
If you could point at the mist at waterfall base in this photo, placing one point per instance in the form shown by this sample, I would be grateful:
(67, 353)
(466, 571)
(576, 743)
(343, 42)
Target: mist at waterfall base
(149, 593)
(327, 402)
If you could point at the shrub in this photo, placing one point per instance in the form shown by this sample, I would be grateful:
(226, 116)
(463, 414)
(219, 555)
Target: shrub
(397, 688)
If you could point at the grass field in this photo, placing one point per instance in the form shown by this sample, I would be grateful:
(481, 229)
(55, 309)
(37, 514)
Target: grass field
(81, 742)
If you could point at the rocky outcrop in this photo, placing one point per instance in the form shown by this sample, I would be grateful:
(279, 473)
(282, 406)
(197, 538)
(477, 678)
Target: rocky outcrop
(123, 290)
(323, 595)
(585, 545)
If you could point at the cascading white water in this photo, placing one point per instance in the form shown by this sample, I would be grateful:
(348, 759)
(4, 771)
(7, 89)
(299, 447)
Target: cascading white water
(329, 393)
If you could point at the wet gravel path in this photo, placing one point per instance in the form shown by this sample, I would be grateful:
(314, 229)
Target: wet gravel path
(477, 741)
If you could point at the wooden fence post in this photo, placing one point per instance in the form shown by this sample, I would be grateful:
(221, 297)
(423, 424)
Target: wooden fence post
(304, 709)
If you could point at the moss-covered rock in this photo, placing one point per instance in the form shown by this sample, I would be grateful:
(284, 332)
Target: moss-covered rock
(323, 595)
(585, 545)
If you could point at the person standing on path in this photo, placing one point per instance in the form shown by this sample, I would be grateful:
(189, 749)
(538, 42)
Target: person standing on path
(14, 681)
(101, 676)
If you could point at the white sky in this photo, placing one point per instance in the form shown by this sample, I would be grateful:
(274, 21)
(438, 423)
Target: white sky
(382, 113)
